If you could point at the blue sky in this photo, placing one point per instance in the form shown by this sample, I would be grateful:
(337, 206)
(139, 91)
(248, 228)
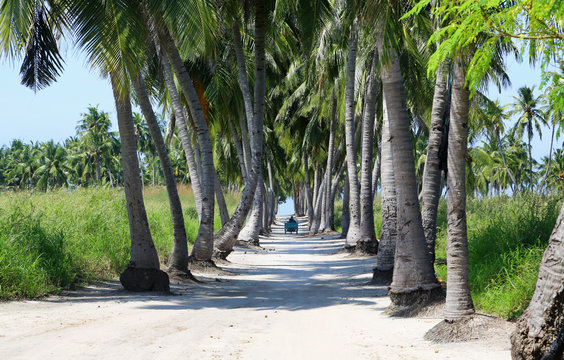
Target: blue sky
(53, 112)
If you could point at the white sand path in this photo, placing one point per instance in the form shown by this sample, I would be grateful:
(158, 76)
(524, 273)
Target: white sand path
(293, 301)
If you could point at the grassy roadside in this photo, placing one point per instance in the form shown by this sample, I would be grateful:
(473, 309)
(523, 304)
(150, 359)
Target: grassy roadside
(56, 240)
(507, 237)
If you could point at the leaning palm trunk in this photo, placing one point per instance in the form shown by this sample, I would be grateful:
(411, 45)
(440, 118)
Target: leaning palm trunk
(413, 276)
(203, 247)
(142, 273)
(458, 298)
(376, 174)
(330, 160)
(308, 190)
(388, 236)
(184, 133)
(252, 229)
(538, 327)
(226, 237)
(222, 206)
(272, 194)
(239, 148)
(317, 211)
(367, 233)
(345, 217)
(353, 234)
(179, 255)
(431, 191)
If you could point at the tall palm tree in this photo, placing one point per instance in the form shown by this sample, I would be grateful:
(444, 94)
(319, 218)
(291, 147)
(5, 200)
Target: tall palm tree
(458, 298)
(531, 117)
(53, 169)
(112, 34)
(94, 130)
(413, 273)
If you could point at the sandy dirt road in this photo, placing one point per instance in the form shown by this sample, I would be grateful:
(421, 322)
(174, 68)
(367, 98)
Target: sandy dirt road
(297, 299)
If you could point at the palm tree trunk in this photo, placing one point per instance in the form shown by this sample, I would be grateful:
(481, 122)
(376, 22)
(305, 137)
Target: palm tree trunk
(246, 142)
(144, 260)
(431, 190)
(315, 189)
(252, 229)
(98, 170)
(330, 160)
(388, 236)
(413, 276)
(226, 237)
(543, 181)
(345, 217)
(183, 132)
(203, 247)
(530, 160)
(538, 327)
(367, 233)
(308, 190)
(353, 234)
(376, 174)
(501, 151)
(179, 255)
(242, 71)
(272, 194)
(458, 298)
(223, 212)
(318, 206)
(239, 148)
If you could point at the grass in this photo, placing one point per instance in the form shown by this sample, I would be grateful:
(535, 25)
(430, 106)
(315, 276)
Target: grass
(507, 237)
(57, 240)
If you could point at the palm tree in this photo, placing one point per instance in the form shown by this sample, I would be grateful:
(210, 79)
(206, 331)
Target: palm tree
(353, 234)
(431, 182)
(413, 272)
(179, 254)
(531, 117)
(94, 130)
(458, 298)
(112, 34)
(53, 169)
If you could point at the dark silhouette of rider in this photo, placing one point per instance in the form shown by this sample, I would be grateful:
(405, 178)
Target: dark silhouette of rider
(291, 219)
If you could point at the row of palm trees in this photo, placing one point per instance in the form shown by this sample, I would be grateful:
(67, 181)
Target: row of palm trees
(91, 157)
(301, 96)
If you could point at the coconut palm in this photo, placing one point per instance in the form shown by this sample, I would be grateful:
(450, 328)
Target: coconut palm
(458, 298)
(52, 168)
(531, 117)
(94, 130)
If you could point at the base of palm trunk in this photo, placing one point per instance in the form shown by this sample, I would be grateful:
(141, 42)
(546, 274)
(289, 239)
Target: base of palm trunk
(468, 328)
(181, 275)
(138, 279)
(382, 277)
(368, 247)
(412, 303)
(206, 267)
(546, 343)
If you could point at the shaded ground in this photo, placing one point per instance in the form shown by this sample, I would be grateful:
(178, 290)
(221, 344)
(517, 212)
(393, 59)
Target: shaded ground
(295, 299)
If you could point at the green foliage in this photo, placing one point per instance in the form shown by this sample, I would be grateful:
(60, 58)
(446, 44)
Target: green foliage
(507, 237)
(57, 240)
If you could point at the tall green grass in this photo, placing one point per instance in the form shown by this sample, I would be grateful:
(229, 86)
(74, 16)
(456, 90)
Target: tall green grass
(56, 240)
(507, 237)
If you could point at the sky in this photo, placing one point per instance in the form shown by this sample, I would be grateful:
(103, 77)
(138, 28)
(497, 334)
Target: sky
(53, 113)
